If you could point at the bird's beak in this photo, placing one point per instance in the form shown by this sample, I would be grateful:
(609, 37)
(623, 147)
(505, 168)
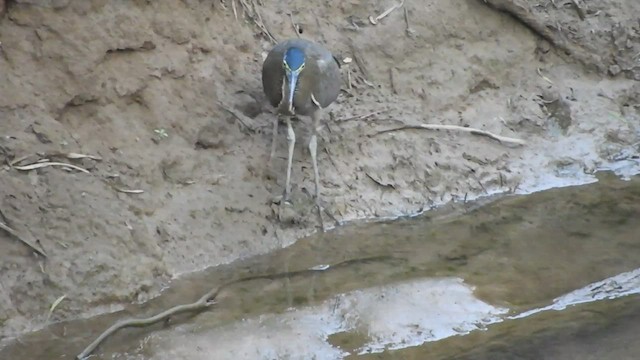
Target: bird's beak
(293, 81)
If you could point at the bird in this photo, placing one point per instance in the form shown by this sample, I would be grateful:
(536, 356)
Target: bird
(300, 77)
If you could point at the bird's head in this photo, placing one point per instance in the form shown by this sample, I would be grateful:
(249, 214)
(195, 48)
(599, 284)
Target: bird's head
(293, 63)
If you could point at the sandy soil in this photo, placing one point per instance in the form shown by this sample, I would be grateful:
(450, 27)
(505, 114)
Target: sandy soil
(168, 95)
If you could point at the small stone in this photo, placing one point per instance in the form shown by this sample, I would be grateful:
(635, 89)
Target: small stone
(614, 70)
(211, 136)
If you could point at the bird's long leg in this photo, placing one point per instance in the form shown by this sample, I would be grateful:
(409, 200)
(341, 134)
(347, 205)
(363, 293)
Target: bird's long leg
(291, 140)
(313, 149)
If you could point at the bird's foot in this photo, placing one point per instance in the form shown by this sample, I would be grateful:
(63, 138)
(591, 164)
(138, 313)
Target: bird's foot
(302, 212)
(286, 211)
(322, 208)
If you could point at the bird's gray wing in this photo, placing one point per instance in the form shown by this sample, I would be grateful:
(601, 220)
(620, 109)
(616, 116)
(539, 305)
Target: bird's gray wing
(327, 86)
(273, 75)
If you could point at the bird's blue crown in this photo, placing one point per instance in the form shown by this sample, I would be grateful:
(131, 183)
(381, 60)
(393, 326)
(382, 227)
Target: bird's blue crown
(294, 58)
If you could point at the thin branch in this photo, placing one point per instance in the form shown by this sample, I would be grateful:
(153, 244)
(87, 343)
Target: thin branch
(499, 138)
(362, 116)
(15, 234)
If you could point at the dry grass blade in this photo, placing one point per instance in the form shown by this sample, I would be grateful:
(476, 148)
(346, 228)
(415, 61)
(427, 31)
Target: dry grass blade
(73, 155)
(499, 138)
(539, 71)
(50, 163)
(54, 306)
(15, 234)
(129, 191)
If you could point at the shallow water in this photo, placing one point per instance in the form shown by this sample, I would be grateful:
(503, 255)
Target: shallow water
(510, 277)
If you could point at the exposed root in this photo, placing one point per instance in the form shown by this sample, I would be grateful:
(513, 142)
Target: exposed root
(522, 12)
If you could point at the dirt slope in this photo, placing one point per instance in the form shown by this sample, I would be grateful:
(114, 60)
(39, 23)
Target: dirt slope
(168, 95)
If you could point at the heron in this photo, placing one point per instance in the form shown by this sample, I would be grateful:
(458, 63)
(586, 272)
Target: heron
(300, 77)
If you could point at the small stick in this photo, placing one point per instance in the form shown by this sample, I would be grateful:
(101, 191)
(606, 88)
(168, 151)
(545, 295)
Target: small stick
(15, 234)
(579, 9)
(380, 183)
(364, 116)
(375, 20)
(499, 138)
(392, 81)
(410, 32)
(295, 26)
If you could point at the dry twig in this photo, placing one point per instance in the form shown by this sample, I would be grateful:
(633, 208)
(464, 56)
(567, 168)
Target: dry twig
(499, 138)
(384, 14)
(539, 71)
(15, 234)
(244, 120)
(581, 13)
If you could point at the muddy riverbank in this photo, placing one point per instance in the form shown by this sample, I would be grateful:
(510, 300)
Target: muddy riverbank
(158, 92)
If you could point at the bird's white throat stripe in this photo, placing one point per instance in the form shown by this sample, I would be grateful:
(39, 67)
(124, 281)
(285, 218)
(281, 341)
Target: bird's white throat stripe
(284, 90)
(284, 94)
(313, 98)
